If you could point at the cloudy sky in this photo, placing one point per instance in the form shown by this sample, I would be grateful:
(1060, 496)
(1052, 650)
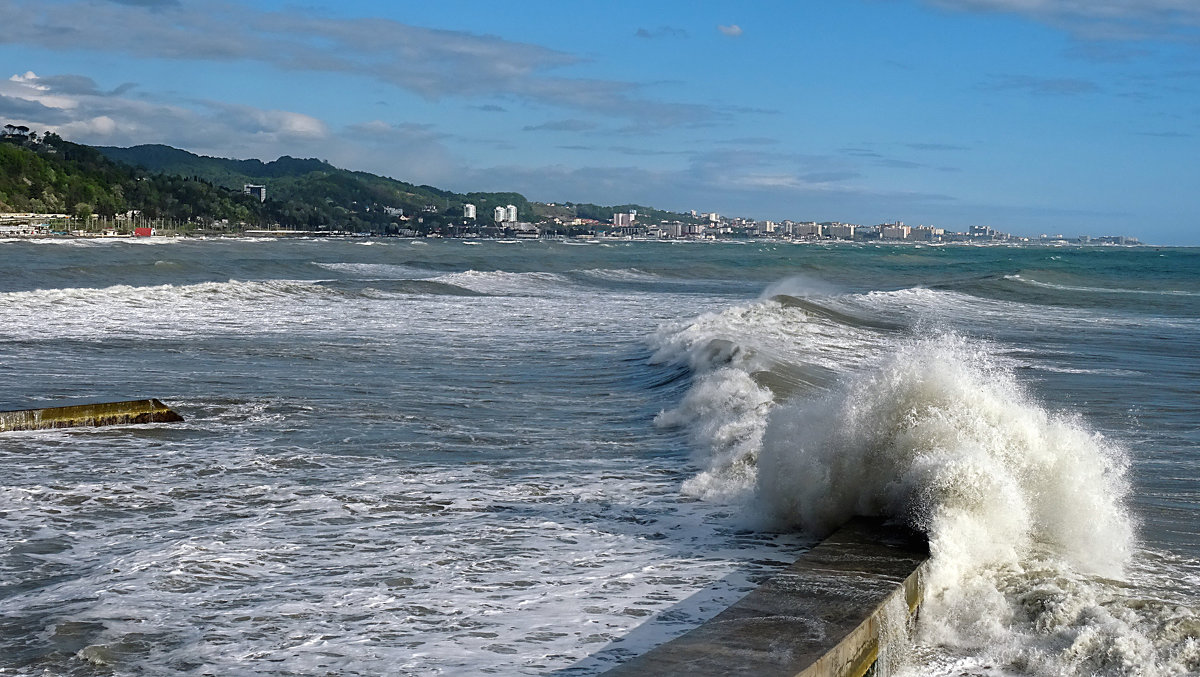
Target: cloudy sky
(1033, 116)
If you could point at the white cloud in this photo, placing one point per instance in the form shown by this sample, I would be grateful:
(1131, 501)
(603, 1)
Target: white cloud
(71, 106)
(407, 151)
(428, 62)
(29, 87)
(732, 30)
(98, 127)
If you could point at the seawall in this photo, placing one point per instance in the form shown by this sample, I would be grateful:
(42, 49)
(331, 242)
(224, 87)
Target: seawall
(104, 413)
(832, 613)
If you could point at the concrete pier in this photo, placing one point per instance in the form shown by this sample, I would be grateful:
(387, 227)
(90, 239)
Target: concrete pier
(105, 413)
(827, 615)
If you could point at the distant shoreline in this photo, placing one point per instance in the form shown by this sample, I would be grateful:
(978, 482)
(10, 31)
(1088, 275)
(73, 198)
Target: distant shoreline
(333, 235)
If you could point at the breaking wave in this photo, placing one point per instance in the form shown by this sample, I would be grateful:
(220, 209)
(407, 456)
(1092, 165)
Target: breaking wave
(1025, 508)
(1097, 290)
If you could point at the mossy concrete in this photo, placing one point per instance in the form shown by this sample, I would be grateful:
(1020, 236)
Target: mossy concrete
(105, 413)
(824, 616)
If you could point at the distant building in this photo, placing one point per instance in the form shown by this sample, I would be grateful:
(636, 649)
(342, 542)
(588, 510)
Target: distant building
(623, 220)
(808, 229)
(468, 211)
(498, 214)
(894, 231)
(510, 214)
(927, 234)
(393, 211)
(842, 231)
(259, 192)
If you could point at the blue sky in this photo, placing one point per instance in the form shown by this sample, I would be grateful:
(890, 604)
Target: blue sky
(1033, 116)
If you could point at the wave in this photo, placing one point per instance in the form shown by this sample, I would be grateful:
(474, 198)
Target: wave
(497, 281)
(502, 283)
(222, 292)
(377, 287)
(619, 275)
(841, 317)
(1097, 290)
(1025, 508)
(199, 309)
(941, 437)
(932, 307)
(380, 270)
(744, 360)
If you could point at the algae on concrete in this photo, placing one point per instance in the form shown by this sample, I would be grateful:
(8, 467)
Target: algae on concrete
(105, 413)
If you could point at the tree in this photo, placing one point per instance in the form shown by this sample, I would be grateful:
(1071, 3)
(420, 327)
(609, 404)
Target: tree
(83, 211)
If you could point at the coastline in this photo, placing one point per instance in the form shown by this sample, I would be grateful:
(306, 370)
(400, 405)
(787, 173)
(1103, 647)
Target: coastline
(335, 235)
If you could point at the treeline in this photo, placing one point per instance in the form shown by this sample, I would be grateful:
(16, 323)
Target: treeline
(47, 174)
(312, 194)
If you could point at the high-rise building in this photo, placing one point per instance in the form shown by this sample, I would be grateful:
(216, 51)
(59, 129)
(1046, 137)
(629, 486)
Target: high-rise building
(510, 214)
(807, 229)
(842, 231)
(498, 214)
(894, 231)
(468, 211)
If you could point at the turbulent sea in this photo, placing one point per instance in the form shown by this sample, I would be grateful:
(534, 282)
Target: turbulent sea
(448, 458)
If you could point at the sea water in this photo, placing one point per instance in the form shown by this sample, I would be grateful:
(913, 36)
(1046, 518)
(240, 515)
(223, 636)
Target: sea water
(422, 457)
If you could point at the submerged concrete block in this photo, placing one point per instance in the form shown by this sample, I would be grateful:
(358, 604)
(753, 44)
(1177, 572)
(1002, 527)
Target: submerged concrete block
(105, 413)
(827, 615)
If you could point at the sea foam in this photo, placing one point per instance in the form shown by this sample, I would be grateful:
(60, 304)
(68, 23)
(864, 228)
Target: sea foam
(1025, 507)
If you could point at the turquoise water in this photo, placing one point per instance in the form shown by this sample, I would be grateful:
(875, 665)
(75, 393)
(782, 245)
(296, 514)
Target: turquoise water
(434, 457)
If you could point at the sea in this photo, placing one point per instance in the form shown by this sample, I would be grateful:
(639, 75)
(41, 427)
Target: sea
(455, 457)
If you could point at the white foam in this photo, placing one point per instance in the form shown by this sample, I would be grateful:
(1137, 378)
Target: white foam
(1025, 507)
(386, 271)
(1098, 290)
(943, 437)
(621, 274)
(503, 282)
(725, 412)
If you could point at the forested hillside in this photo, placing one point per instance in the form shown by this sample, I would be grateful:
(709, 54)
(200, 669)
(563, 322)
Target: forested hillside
(44, 173)
(47, 174)
(293, 183)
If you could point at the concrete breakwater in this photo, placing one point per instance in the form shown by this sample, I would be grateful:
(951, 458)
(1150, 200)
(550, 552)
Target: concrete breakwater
(835, 612)
(104, 413)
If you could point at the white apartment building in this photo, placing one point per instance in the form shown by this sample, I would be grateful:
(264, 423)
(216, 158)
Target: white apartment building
(807, 229)
(842, 231)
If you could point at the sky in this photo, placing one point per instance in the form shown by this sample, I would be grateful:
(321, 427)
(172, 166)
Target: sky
(1031, 116)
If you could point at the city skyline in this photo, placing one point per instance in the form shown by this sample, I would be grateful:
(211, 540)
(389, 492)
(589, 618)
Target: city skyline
(1032, 117)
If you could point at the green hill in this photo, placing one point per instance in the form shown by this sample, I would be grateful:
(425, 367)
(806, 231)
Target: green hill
(47, 174)
(293, 183)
